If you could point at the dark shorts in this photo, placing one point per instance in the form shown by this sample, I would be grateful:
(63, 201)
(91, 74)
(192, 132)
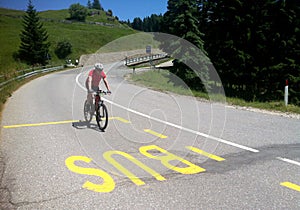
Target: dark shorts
(95, 88)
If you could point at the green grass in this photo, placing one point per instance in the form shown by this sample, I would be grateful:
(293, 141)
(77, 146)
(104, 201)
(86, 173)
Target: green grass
(85, 38)
(55, 14)
(64, 15)
(160, 80)
(9, 41)
(132, 42)
(12, 12)
(102, 17)
(163, 80)
(272, 106)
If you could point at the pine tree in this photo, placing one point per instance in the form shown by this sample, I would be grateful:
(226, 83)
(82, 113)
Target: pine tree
(284, 50)
(89, 4)
(156, 22)
(97, 5)
(226, 39)
(254, 46)
(34, 48)
(181, 20)
(137, 24)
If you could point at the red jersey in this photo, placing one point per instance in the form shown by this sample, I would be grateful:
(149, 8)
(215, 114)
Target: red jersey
(96, 78)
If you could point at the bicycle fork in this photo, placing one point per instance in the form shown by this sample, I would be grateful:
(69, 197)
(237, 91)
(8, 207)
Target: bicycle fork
(98, 103)
(97, 99)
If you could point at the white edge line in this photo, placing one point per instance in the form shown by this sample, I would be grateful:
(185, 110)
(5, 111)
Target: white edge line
(174, 125)
(289, 161)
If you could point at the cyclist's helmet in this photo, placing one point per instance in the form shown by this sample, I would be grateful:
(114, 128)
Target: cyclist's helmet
(99, 66)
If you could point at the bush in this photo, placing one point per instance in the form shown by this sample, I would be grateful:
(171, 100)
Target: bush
(78, 12)
(63, 49)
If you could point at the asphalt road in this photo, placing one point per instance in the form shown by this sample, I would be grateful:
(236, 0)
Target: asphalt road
(160, 151)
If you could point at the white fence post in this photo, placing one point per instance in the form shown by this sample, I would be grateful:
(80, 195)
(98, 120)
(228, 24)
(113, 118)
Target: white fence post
(286, 93)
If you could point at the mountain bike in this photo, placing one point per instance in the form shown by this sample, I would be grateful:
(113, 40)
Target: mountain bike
(98, 109)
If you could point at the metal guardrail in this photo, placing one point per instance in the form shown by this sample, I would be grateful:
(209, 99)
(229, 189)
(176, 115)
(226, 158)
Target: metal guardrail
(129, 61)
(28, 73)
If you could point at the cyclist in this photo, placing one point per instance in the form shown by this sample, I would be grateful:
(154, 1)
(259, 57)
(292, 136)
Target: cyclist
(93, 80)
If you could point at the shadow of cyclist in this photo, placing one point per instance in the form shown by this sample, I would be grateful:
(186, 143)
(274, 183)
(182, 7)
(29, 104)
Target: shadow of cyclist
(80, 125)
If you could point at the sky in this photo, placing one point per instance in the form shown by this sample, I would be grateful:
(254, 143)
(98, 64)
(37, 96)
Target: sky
(124, 9)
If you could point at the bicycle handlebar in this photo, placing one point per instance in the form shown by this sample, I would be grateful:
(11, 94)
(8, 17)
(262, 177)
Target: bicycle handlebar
(98, 92)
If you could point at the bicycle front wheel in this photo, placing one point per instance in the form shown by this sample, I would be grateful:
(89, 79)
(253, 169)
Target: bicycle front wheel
(102, 117)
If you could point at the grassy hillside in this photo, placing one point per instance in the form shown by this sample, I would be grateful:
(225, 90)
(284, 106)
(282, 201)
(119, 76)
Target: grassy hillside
(85, 38)
(98, 16)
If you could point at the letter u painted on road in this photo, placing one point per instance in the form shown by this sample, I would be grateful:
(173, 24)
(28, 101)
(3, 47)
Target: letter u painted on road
(168, 157)
(108, 156)
(108, 184)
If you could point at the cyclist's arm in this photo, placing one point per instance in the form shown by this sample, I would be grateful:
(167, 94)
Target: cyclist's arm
(106, 84)
(90, 83)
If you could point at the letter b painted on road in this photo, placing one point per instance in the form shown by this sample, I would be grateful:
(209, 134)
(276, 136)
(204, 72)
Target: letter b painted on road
(168, 157)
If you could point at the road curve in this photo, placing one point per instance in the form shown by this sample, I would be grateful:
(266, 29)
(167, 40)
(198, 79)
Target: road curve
(160, 150)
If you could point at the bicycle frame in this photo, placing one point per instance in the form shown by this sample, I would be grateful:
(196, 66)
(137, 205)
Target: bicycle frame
(97, 98)
(99, 110)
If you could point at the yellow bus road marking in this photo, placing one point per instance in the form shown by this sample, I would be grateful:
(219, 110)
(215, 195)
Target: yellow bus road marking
(168, 158)
(201, 152)
(155, 133)
(116, 118)
(58, 123)
(108, 184)
(291, 186)
(119, 119)
(40, 124)
(108, 156)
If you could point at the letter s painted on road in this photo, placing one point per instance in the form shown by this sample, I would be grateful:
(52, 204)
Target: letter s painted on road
(108, 184)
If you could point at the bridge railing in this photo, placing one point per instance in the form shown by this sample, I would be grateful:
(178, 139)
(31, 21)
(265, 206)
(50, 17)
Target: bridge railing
(134, 60)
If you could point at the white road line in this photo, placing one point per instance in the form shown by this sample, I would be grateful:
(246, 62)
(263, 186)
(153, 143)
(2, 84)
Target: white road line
(289, 161)
(174, 125)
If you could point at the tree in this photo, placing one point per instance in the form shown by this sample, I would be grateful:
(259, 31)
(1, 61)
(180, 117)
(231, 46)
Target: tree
(78, 12)
(63, 49)
(284, 50)
(137, 24)
(109, 13)
(227, 37)
(89, 5)
(254, 46)
(97, 5)
(181, 20)
(34, 48)
(156, 22)
(152, 23)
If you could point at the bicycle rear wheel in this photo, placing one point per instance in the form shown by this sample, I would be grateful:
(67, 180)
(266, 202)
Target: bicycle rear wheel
(102, 117)
(87, 111)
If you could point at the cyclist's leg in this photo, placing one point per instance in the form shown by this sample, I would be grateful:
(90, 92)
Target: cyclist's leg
(96, 100)
(89, 98)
